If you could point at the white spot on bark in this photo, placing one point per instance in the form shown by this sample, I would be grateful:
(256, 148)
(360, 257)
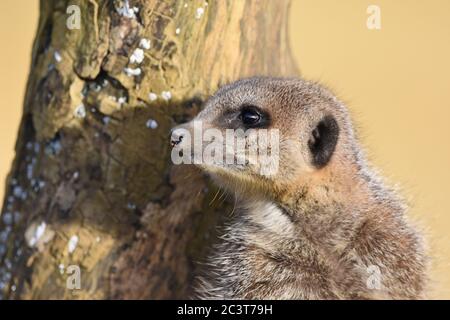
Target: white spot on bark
(30, 169)
(122, 100)
(72, 244)
(166, 95)
(137, 56)
(177, 31)
(80, 111)
(126, 11)
(53, 147)
(37, 147)
(132, 72)
(18, 192)
(199, 13)
(145, 44)
(16, 216)
(97, 87)
(34, 233)
(2, 253)
(37, 185)
(152, 124)
(106, 120)
(7, 218)
(57, 56)
(152, 96)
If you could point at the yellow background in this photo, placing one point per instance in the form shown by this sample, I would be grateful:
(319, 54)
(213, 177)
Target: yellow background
(394, 80)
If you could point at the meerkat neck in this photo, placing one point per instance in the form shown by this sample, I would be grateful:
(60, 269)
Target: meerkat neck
(327, 207)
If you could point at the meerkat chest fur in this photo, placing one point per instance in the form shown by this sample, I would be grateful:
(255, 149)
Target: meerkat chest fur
(265, 254)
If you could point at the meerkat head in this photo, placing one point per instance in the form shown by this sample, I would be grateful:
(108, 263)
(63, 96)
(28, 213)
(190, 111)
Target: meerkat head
(266, 135)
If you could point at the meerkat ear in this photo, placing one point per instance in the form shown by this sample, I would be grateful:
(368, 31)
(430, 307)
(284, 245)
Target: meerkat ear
(323, 140)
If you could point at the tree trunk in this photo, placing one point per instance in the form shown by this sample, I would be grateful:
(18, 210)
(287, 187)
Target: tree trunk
(92, 183)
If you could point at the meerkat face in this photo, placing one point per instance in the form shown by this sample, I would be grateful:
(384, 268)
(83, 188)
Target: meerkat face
(262, 134)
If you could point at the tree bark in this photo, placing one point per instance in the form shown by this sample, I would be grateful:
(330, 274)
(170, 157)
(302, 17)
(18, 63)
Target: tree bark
(92, 183)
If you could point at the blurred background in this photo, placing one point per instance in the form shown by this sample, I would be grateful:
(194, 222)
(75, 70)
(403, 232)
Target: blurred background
(395, 81)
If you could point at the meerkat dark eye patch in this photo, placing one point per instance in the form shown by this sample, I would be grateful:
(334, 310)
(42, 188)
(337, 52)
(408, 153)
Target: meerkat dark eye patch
(323, 140)
(254, 117)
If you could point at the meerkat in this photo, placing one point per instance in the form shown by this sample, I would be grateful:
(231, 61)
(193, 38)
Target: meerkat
(324, 225)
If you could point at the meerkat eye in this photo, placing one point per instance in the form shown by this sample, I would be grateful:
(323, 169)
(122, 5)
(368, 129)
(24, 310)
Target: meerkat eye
(252, 117)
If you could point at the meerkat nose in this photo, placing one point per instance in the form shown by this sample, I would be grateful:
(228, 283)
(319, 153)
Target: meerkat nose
(177, 135)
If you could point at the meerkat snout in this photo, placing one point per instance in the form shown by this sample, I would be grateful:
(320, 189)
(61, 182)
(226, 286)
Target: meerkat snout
(313, 221)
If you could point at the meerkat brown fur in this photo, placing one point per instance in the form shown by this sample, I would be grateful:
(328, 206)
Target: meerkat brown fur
(324, 226)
